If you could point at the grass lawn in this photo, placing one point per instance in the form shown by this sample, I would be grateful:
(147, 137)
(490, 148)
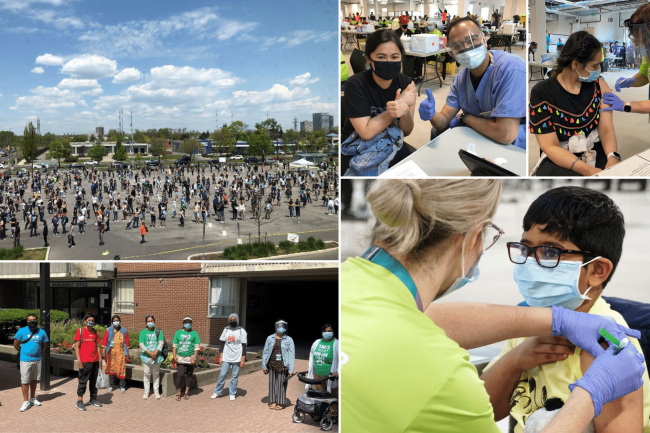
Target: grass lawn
(35, 254)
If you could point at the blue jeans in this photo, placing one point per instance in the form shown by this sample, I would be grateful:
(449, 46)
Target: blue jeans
(225, 366)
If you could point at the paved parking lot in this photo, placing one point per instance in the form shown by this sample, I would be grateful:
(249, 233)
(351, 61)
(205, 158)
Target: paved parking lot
(129, 412)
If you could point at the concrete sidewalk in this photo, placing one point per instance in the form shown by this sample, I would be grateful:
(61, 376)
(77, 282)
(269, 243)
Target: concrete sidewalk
(248, 413)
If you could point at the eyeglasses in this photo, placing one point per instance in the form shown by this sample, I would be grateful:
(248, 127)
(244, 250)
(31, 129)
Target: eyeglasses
(469, 42)
(545, 255)
(490, 234)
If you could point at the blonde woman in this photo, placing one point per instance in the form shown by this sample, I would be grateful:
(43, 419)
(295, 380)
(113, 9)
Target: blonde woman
(427, 242)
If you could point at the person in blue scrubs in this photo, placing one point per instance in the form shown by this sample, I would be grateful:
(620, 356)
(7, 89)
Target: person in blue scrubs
(490, 90)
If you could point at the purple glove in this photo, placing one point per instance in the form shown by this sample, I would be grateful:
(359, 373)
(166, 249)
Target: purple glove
(582, 329)
(612, 376)
(427, 107)
(622, 83)
(455, 122)
(614, 101)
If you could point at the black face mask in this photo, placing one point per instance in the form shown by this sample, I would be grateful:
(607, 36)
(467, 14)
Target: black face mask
(233, 324)
(405, 26)
(32, 324)
(387, 70)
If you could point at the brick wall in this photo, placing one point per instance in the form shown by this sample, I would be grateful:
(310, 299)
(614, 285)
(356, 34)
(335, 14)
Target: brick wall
(171, 300)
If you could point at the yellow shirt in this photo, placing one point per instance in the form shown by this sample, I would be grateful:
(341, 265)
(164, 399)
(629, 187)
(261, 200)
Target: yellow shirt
(402, 374)
(643, 69)
(552, 380)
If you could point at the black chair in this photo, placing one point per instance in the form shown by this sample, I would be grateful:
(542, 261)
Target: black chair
(499, 41)
(358, 61)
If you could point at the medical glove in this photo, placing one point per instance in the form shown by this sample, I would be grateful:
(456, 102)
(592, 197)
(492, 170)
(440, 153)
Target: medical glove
(454, 122)
(612, 376)
(614, 101)
(623, 82)
(427, 107)
(583, 329)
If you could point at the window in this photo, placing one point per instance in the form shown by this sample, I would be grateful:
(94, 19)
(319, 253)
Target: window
(485, 13)
(123, 297)
(224, 296)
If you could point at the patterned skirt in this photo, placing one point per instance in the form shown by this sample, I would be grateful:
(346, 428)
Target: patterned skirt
(278, 387)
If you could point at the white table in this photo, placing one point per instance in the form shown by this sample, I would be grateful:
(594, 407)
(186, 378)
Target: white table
(440, 156)
(636, 166)
(547, 64)
(435, 59)
(350, 38)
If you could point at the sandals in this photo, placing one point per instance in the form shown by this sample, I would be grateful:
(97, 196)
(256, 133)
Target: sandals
(273, 406)
(178, 397)
(278, 407)
(187, 396)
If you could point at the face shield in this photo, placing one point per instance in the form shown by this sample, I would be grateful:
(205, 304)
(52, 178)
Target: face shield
(281, 324)
(640, 37)
(470, 42)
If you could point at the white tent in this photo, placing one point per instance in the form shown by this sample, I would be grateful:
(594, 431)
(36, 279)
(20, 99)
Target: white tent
(302, 162)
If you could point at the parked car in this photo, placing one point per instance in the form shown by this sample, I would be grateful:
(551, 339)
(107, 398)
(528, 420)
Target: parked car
(76, 165)
(118, 164)
(2, 166)
(214, 161)
(270, 161)
(253, 160)
(154, 162)
(182, 162)
(282, 152)
(87, 163)
(236, 157)
(169, 152)
(39, 166)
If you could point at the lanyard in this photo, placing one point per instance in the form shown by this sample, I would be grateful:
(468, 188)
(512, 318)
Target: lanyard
(380, 257)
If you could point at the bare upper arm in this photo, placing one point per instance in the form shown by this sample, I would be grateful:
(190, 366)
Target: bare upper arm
(511, 125)
(624, 414)
(546, 141)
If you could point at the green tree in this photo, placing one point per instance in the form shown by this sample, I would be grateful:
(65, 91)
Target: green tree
(93, 138)
(48, 139)
(238, 129)
(164, 133)
(120, 152)
(79, 138)
(156, 147)
(29, 146)
(59, 149)
(97, 152)
(190, 146)
(290, 135)
(259, 143)
(271, 126)
(223, 139)
(334, 130)
(315, 140)
(139, 137)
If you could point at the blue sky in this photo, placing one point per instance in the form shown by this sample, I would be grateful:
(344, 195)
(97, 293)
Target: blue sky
(75, 63)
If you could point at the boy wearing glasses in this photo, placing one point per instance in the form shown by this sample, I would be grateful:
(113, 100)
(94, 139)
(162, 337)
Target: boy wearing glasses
(571, 245)
(490, 90)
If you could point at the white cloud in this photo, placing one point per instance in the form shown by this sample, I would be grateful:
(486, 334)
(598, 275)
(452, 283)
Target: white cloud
(18, 5)
(50, 60)
(53, 97)
(175, 77)
(57, 19)
(21, 30)
(0, 94)
(127, 75)
(298, 37)
(303, 80)
(38, 70)
(90, 67)
(73, 83)
(276, 93)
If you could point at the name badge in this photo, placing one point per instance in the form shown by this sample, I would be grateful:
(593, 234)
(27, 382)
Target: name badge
(278, 357)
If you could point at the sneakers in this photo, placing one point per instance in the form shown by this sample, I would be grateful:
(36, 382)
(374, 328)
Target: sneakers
(109, 389)
(215, 395)
(80, 405)
(146, 395)
(123, 390)
(96, 403)
(34, 401)
(232, 397)
(26, 405)
(157, 396)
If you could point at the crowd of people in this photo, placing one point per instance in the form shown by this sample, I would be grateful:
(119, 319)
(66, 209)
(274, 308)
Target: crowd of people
(108, 353)
(146, 197)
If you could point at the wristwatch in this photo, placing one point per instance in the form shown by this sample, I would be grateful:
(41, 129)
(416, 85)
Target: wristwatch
(627, 108)
(462, 118)
(615, 155)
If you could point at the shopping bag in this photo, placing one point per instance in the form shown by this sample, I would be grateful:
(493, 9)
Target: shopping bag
(102, 380)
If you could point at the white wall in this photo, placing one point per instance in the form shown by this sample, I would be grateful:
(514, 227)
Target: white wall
(604, 30)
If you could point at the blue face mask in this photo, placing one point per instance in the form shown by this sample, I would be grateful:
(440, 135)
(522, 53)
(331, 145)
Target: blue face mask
(328, 335)
(593, 76)
(150, 325)
(430, 28)
(116, 324)
(534, 50)
(471, 277)
(282, 330)
(187, 325)
(545, 287)
(472, 59)
(90, 323)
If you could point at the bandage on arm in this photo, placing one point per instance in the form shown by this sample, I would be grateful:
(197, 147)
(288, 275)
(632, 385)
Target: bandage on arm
(561, 157)
(490, 323)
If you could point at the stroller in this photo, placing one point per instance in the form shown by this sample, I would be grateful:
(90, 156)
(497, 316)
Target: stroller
(317, 404)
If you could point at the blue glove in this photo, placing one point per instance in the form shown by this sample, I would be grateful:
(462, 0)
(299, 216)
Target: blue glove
(427, 107)
(612, 376)
(582, 329)
(454, 122)
(614, 101)
(623, 82)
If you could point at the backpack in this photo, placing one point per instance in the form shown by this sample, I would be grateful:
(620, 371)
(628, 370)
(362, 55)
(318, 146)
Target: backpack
(165, 348)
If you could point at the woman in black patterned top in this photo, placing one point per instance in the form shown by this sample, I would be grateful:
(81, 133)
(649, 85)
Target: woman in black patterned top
(576, 137)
